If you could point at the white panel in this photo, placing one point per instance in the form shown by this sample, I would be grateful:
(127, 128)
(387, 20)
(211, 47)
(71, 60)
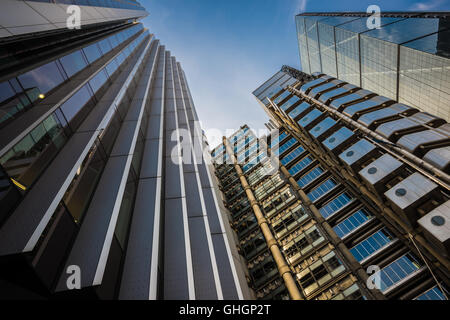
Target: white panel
(17, 13)
(51, 12)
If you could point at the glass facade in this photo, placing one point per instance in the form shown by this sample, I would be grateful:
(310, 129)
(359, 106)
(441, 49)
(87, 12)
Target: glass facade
(119, 4)
(35, 151)
(339, 179)
(87, 124)
(406, 60)
(348, 63)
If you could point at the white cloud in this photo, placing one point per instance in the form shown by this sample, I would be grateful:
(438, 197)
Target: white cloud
(424, 6)
(301, 6)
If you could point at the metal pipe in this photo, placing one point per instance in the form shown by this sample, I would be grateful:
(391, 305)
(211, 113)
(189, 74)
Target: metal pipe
(283, 268)
(354, 265)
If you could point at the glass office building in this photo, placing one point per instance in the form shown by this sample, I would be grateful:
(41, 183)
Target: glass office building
(347, 180)
(407, 59)
(89, 122)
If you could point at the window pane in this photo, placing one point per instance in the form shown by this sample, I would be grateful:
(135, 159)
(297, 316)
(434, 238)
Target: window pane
(98, 81)
(433, 294)
(6, 91)
(372, 244)
(11, 103)
(291, 156)
(72, 107)
(73, 63)
(92, 52)
(42, 80)
(105, 46)
(317, 192)
(28, 158)
(112, 67)
(351, 223)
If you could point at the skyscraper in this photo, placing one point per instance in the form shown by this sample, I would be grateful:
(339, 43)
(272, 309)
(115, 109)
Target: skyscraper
(94, 193)
(347, 198)
(406, 59)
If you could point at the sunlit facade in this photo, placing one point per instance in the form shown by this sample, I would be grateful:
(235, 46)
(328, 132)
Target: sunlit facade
(348, 180)
(407, 59)
(94, 202)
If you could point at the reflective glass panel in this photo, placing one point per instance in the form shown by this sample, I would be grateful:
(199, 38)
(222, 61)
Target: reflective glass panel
(43, 79)
(73, 63)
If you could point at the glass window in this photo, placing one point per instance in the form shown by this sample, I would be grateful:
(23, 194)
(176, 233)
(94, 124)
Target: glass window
(311, 84)
(338, 20)
(372, 244)
(285, 146)
(309, 118)
(398, 270)
(6, 91)
(408, 29)
(292, 155)
(345, 99)
(379, 66)
(303, 243)
(322, 189)
(114, 41)
(299, 166)
(302, 107)
(253, 162)
(98, 80)
(289, 103)
(338, 137)
(105, 46)
(126, 210)
(322, 127)
(434, 44)
(432, 294)
(360, 25)
(73, 63)
(43, 79)
(310, 176)
(313, 44)
(335, 92)
(29, 157)
(112, 67)
(92, 52)
(360, 106)
(424, 82)
(327, 48)
(72, 107)
(79, 193)
(321, 88)
(320, 273)
(336, 204)
(303, 49)
(120, 58)
(350, 224)
(347, 52)
(281, 97)
(275, 142)
(11, 103)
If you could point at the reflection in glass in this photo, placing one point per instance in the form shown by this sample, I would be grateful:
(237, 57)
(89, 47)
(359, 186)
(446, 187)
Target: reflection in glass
(44, 78)
(92, 52)
(406, 30)
(29, 157)
(73, 63)
(11, 103)
(77, 107)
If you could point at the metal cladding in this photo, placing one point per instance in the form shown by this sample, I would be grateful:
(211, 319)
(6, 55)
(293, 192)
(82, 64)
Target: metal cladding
(97, 199)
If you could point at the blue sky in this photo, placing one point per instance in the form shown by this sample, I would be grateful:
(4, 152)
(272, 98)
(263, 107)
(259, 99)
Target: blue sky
(229, 48)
